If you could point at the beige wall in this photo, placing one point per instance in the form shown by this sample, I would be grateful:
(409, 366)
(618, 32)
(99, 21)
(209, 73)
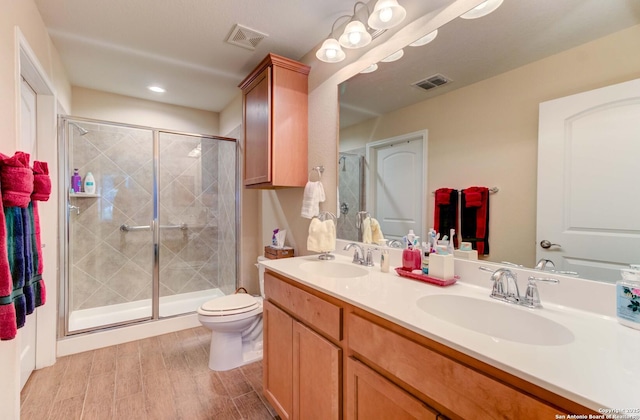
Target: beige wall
(323, 119)
(24, 15)
(89, 103)
(495, 124)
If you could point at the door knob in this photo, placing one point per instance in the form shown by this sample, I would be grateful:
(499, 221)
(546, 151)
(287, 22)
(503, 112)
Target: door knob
(546, 244)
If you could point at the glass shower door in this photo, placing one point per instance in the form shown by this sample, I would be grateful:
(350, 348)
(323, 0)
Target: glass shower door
(197, 220)
(110, 240)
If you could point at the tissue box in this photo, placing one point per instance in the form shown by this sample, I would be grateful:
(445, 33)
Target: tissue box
(277, 253)
(441, 266)
(466, 255)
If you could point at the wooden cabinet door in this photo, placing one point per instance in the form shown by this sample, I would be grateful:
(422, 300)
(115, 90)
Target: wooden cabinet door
(277, 359)
(316, 376)
(257, 121)
(371, 396)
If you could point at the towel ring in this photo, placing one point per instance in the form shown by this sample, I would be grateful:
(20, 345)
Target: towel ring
(319, 170)
(327, 215)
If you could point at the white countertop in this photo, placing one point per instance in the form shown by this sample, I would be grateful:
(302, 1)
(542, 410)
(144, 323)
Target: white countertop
(599, 369)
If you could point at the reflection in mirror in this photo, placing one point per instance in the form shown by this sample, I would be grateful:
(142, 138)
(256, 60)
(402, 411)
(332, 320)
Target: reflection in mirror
(483, 124)
(351, 198)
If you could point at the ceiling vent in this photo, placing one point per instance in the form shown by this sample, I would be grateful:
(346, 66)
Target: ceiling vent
(245, 37)
(432, 82)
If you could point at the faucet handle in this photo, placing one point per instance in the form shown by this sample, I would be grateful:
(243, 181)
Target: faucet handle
(368, 261)
(531, 296)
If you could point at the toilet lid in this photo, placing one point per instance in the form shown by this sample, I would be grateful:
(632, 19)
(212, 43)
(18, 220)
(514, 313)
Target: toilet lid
(231, 304)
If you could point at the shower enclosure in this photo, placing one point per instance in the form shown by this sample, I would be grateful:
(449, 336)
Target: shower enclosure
(158, 236)
(351, 194)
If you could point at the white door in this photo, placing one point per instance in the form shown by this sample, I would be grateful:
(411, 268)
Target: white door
(27, 334)
(588, 181)
(397, 177)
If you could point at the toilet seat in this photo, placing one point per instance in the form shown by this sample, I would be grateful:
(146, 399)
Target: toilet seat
(235, 304)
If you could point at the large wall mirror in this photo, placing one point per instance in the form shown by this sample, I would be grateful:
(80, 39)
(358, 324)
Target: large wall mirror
(481, 127)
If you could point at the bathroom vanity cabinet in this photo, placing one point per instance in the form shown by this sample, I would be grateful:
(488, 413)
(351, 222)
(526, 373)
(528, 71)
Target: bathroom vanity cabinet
(275, 120)
(327, 359)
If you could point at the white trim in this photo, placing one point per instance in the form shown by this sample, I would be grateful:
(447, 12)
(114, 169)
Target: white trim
(370, 167)
(29, 67)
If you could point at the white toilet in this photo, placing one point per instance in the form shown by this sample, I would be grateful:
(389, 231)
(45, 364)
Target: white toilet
(235, 322)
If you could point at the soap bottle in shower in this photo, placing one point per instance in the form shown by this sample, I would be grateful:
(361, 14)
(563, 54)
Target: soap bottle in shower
(89, 184)
(76, 182)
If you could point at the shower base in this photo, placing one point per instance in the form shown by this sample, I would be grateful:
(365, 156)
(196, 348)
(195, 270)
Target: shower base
(87, 319)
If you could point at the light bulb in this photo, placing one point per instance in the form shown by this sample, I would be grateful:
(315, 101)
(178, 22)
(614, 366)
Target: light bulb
(331, 53)
(386, 14)
(354, 38)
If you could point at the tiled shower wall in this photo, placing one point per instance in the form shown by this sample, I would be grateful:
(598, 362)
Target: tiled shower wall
(351, 190)
(197, 181)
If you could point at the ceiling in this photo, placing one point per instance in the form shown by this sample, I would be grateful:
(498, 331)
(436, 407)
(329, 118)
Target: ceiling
(123, 46)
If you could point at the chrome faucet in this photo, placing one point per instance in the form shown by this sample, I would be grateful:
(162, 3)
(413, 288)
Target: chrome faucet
(531, 296)
(543, 264)
(394, 243)
(505, 287)
(548, 265)
(359, 254)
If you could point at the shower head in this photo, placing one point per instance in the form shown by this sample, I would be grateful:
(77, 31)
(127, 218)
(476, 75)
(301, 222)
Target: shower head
(82, 131)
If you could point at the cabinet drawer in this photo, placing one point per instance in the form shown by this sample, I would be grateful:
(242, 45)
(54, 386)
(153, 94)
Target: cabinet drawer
(465, 391)
(370, 396)
(321, 315)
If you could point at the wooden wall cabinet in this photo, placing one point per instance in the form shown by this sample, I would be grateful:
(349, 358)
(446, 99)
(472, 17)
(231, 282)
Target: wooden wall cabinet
(327, 359)
(275, 120)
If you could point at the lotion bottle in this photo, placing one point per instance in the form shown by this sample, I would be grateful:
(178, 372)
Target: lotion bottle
(89, 184)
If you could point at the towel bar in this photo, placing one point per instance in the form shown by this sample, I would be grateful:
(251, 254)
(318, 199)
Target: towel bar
(126, 228)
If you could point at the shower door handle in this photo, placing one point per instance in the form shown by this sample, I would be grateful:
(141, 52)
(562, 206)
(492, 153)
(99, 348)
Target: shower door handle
(76, 208)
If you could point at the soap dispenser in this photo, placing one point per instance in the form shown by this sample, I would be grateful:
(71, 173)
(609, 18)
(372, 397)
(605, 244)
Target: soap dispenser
(411, 258)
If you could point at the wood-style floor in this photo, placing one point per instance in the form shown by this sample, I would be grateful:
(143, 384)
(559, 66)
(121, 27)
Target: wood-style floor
(164, 377)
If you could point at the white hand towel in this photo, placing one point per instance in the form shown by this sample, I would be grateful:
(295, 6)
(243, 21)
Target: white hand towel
(376, 233)
(313, 196)
(322, 236)
(366, 230)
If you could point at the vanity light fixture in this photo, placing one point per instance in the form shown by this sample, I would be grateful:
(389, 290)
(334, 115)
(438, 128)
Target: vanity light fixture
(330, 51)
(370, 69)
(425, 39)
(482, 9)
(386, 14)
(393, 57)
(156, 89)
(355, 35)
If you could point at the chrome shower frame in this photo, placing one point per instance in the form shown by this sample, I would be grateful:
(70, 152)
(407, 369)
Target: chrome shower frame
(64, 123)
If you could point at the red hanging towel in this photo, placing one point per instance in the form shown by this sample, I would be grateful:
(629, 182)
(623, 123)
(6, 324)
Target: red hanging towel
(41, 192)
(445, 213)
(17, 180)
(475, 218)
(8, 327)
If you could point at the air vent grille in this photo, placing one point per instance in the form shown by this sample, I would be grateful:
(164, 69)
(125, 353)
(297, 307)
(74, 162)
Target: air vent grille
(432, 82)
(245, 37)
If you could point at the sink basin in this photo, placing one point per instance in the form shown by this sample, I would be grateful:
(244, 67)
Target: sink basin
(333, 269)
(496, 319)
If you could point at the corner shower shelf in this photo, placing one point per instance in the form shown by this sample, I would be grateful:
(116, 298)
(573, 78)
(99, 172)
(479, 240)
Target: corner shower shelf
(83, 195)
